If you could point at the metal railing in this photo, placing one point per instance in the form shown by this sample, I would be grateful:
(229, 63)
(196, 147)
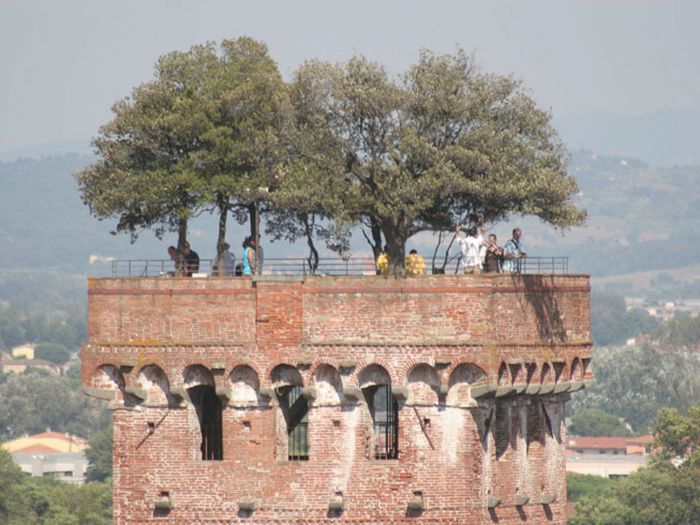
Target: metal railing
(327, 267)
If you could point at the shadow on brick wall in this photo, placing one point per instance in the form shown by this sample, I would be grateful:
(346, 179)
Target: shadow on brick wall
(543, 301)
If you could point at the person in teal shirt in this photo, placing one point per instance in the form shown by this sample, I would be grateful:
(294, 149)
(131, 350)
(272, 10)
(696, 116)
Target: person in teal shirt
(248, 256)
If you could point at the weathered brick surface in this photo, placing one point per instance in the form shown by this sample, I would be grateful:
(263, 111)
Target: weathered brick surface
(439, 338)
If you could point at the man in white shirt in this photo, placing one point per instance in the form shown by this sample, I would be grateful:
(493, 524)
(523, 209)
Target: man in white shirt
(473, 249)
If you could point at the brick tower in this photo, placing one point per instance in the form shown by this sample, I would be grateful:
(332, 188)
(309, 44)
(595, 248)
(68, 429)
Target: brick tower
(338, 399)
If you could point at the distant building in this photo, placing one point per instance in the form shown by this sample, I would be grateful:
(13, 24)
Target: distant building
(25, 351)
(19, 366)
(50, 454)
(609, 457)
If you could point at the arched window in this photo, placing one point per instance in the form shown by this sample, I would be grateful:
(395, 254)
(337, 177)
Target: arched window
(385, 413)
(209, 412)
(295, 408)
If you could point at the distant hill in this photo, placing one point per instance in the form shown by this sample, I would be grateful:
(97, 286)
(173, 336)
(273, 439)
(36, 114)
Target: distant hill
(660, 138)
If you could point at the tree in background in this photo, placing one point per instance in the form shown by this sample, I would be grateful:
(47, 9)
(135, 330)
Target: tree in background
(32, 402)
(663, 494)
(681, 333)
(53, 352)
(13, 500)
(613, 324)
(596, 422)
(636, 382)
(99, 455)
(426, 151)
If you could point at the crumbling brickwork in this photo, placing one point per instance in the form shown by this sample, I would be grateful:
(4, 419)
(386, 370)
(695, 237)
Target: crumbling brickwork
(480, 367)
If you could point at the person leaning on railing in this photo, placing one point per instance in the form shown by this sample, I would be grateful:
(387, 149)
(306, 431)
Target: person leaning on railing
(513, 252)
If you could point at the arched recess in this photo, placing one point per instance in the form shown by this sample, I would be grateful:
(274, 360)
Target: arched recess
(576, 373)
(559, 368)
(383, 407)
(107, 382)
(294, 407)
(201, 391)
(245, 385)
(197, 375)
(328, 385)
(285, 375)
(373, 375)
(530, 373)
(108, 376)
(462, 379)
(423, 385)
(547, 375)
(503, 375)
(153, 380)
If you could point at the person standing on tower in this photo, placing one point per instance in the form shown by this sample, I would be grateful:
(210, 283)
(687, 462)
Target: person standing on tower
(513, 253)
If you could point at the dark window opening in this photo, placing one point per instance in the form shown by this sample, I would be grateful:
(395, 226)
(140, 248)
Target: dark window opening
(295, 408)
(385, 413)
(209, 412)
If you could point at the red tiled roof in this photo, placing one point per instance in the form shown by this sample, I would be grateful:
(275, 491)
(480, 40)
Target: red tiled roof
(607, 441)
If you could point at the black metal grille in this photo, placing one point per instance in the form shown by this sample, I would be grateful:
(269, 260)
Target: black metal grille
(385, 414)
(295, 408)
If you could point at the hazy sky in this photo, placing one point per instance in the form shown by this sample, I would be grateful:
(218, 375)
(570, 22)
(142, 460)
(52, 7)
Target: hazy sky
(64, 62)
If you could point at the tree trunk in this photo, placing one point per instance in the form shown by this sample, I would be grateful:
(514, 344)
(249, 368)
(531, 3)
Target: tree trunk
(252, 213)
(224, 206)
(396, 249)
(313, 252)
(376, 230)
(181, 240)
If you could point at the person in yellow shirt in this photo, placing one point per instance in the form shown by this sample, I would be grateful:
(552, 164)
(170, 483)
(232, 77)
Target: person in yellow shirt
(383, 262)
(414, 263)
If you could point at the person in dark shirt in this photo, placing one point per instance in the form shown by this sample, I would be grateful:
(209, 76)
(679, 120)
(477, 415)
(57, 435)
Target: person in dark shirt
(494, 256)
(191, 260)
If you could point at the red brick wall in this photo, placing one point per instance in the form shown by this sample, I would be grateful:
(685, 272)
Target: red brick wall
(458, 451)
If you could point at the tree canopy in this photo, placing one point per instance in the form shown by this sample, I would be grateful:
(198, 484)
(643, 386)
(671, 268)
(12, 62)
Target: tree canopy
(338, 145)
(663, 494)
(636, 382)
(596, 422)
(32, 402)
(428, 149)
(202, 133)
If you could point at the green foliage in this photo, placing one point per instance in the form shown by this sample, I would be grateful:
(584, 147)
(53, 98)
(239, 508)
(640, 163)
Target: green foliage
(636, 382)
(68, 330)
(595, 422)
(32, 402)
(681, 333)
(68, 504)
(427, 150)
(203, 132)
(99, 454)
(607, 318)
(678, 436)
(54, 352)
(612, 324)
(660, 495)
(585, 485)
(13, 501)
